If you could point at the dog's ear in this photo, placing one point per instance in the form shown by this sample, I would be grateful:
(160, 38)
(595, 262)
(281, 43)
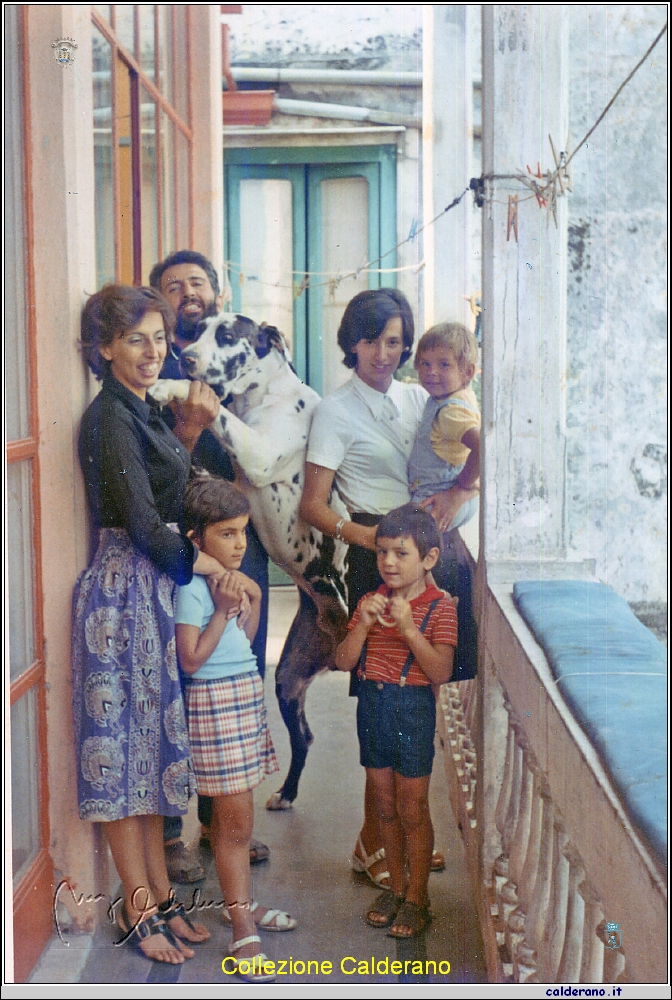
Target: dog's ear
(245, 327)
(272, 337)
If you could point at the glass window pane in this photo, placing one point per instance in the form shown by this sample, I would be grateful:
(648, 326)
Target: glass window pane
(25, 783)
(181, 83)
(20, 563)
(103, 9)
(165, 82)
(16, 325)
(182, 191)
(345, 214)
(168, 165)
(146, 18)
(102, 158)
(124, 26)
(266, 252)
(148, 174)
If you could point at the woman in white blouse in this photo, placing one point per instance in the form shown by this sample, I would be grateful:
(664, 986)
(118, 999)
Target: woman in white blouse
(360, 442)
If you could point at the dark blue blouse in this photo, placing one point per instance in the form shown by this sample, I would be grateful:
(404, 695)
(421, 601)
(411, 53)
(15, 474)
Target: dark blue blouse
(135, 471)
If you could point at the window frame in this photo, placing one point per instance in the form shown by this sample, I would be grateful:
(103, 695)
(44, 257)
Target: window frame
(138, 78)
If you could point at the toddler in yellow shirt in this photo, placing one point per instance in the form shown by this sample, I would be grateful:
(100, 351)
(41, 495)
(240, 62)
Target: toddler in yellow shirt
(444, 464)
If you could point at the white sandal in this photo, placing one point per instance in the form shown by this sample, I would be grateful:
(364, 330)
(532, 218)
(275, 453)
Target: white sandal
(363, 865)
(272, 920)
(255, 963)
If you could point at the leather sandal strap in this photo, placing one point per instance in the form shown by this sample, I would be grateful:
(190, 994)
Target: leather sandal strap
(250, 939)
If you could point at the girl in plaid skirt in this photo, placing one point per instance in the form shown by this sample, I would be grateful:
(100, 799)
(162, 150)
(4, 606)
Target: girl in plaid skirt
(231, 746)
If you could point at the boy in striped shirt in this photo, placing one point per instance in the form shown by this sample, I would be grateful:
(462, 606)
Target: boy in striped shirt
(402, 639)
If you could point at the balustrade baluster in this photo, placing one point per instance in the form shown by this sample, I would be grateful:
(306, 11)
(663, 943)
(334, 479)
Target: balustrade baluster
(592, 961)
(538, 910)
(550, 950)
(501, 867)
(570, 962)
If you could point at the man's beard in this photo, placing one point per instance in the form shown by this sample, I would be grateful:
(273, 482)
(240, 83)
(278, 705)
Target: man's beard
(186, 327)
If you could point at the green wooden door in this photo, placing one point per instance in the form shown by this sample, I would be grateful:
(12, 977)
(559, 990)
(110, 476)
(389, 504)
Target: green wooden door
(301, 225)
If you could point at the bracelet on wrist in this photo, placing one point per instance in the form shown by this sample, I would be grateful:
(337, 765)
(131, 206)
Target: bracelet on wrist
(337, 531)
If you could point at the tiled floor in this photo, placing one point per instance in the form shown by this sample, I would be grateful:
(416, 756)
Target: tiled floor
(309, 872)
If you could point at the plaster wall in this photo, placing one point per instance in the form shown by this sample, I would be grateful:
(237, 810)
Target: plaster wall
(343, 36)
(337, 36)
(616, 304)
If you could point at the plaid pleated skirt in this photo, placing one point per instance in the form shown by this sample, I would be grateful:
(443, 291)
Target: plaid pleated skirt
(231, 745)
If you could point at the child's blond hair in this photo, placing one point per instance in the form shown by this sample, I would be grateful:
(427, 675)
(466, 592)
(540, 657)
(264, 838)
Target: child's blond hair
(457, 337)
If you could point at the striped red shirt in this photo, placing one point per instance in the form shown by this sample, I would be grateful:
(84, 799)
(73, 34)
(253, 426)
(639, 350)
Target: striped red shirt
(387, 650)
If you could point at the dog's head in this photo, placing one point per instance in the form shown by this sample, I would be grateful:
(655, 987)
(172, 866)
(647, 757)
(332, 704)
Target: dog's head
(227, 352)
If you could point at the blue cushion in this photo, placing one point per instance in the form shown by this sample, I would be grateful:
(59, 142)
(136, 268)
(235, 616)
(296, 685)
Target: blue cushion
(613, 674)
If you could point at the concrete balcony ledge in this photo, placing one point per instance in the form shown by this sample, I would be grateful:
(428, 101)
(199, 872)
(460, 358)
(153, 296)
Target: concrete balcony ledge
(522, 704)
(556, 850)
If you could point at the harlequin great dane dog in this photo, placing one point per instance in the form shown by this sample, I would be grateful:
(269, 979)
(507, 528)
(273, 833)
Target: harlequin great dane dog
(264, 428)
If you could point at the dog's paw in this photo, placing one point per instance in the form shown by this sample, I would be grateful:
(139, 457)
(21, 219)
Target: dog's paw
(276, 803)
(168, 389)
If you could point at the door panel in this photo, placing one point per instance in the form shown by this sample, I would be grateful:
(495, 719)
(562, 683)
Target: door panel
(342, 216)
(344, 212)
(266, 244)
(266, 253)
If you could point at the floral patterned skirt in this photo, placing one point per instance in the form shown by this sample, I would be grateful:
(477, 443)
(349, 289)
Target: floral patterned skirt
(131, 736)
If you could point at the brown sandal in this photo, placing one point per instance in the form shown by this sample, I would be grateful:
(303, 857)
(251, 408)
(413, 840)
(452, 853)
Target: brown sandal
(386, 905)
(416, 918)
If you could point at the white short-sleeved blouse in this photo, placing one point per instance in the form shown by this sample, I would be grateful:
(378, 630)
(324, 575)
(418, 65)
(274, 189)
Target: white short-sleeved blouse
(366, 437)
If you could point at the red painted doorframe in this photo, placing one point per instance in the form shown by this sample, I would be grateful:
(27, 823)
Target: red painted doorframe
(33, 894)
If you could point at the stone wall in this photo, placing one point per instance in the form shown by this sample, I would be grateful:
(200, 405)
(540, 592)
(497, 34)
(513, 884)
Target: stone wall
(616, 320)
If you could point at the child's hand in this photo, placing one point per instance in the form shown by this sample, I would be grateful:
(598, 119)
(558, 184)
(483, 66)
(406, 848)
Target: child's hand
(371, 607)
(402, 613)
(245, 611)
(252, 589)
(226, 593)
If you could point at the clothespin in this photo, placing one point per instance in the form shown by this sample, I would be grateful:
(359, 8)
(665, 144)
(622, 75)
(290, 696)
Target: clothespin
(360, 268)
(332, 290)
(512, 219)
(552, 199)
(540, 200)
(558, 170)
(241, 279)
(412, 233)
(300, 289)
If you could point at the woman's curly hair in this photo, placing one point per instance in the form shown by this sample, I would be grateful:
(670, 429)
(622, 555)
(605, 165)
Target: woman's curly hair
(115, 309)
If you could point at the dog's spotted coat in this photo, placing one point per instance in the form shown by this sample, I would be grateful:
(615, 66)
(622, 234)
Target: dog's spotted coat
(265, 428)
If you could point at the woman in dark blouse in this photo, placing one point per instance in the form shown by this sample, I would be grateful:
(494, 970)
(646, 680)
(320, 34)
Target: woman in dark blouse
(131, 739)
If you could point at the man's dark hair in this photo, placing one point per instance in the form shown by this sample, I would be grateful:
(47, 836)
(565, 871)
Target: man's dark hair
(411, 521)
(367, 315)
(114, 310)
(184, 257)
(208, 500)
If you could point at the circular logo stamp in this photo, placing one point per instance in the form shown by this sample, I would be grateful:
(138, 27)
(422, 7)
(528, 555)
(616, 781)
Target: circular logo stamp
(64, 51)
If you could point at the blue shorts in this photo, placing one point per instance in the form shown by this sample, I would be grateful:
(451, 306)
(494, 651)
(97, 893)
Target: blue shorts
(396, 726)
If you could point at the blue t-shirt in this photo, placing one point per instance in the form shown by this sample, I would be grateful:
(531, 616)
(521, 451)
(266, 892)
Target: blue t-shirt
(233, 654)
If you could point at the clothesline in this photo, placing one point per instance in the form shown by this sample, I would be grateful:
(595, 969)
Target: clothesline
(544, 189)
